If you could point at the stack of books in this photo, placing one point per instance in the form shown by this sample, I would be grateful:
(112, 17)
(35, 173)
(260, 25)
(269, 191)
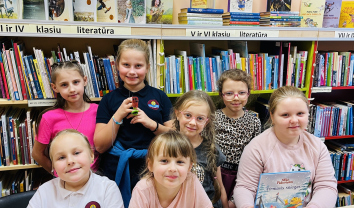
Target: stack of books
(197, 16)
(280, 19)
(241, 19)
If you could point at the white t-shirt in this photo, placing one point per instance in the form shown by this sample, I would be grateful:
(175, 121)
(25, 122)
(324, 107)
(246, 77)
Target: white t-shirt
(98, 190)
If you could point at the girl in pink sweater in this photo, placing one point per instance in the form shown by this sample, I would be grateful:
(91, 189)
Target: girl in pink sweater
(284, 147)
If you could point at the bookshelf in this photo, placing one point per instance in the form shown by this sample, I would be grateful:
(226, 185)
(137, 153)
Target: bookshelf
(19, 167)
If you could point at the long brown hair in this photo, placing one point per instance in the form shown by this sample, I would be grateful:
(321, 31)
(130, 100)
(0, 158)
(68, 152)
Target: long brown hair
(208, 133)
(56, 69)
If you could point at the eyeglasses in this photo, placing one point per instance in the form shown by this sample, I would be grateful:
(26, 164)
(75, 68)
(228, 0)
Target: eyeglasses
(198, 119)
(231, 95)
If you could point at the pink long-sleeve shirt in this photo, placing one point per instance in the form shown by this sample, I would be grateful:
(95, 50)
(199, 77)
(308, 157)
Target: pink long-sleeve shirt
(266, 154)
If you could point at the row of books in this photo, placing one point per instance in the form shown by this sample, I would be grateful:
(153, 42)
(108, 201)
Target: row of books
(345, 195)
(342, 161)
(280, 19)
(17, 135)
(12, 182)
(334, 69)
(25, 77)
(331, 119)
(183, 72)
(241, 19)
(120, 11)
(188, 17)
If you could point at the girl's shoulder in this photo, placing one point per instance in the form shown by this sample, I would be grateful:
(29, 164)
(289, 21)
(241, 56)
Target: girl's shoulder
(145, 184)
(53, 112)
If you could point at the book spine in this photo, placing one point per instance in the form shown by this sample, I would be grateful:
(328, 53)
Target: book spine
(244, 17)
(25, 77)
(12, 76)
(29, 135)
(244, 23)
(3, 83)
(15, 71)
(198, 10)
(13, 144)
(37, 94)
(20, 70)
(39, 77)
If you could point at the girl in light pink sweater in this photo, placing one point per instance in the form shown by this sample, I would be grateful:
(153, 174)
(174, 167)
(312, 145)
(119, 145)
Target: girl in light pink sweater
(284, 147)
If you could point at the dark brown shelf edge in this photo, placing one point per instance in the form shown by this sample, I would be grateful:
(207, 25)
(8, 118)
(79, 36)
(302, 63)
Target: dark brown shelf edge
(339, 137)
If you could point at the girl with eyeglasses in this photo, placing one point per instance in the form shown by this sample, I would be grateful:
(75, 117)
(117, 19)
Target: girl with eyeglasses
(234, 126)
(72, 110)
(193, 116)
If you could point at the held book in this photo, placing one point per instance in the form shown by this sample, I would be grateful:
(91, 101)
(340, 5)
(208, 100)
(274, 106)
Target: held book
(283, 189)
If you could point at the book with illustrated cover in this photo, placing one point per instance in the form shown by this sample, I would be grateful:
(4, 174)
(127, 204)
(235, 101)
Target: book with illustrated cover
(34, 9)
(346, 19)
(131, 11)
(85, 11)
(107, 11)
(278, 5)
(9, 9)
(312, 12)
(332, 13)
(60, 10)
(283, 189)
(240, 5)
(159, 11)
(202, 3)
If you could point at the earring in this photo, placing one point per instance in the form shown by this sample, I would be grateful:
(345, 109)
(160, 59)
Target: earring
(52, 172)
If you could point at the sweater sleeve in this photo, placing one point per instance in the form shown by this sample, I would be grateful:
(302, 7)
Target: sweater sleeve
(44, 132)
(324, 185)
(249, 170)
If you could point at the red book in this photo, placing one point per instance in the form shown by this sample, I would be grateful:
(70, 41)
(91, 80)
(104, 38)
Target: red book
(259, 73)
(20, 70)
(344, 160)
(190, 69)
(4, 80)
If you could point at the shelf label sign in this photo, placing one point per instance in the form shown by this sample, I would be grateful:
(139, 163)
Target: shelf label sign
(209, 33)
(63, 29)
(321, 89)
(41, 102)
(232, 33)
(344, 35)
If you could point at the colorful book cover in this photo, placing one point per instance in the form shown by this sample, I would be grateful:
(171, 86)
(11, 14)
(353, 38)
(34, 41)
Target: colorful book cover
(107, 11)
(240, 5)
(332, 13)
(85, 11)
(346, 19)
(278, 5)
(202, 3)
(312, 12)
(9, 9)
(131, 11)
(60, 10)
(159, 11)
(283, 189)
(33, 9)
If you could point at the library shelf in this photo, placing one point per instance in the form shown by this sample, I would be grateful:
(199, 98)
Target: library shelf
(339, 137)
(13, 102)
(343, 88)
(18, 167)
(348, 181)
(335, 34)
(350, 206)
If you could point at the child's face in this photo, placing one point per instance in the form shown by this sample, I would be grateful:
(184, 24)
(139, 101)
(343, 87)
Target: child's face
(193, 119)
(70, 84)
(132, 68)
(290, 118)
(71, 158)
(234, 102)
(169, 172)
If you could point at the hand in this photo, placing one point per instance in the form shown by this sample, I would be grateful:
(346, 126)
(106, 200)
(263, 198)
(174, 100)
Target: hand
(124, 109)
(143, 119)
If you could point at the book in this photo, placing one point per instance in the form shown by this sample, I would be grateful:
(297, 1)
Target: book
(33, 9)
(186, 14)
(346, 19)
(332, 13)
(283, 189)
(185, 18)
(10, 8)
(107, 11)
(202, 3)
(131, 11)
(85, 11)
(240, 5)
(278, 5)
(204, 11)
(312, 12)
(158, 12)
(197, 22)
(60, 10)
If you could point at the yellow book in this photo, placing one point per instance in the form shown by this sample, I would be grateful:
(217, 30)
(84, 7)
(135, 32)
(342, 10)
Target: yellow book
(243, 64)
(346, 19)
(35, 63)
(202, 4)
(312, 12)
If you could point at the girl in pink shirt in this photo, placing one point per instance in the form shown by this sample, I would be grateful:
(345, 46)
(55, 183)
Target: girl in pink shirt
(167, 181)
(72, 110)
(285, 147)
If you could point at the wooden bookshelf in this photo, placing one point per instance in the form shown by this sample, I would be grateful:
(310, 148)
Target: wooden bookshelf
(349, 181)
(343, 88)
(18, 167)
(339, 137)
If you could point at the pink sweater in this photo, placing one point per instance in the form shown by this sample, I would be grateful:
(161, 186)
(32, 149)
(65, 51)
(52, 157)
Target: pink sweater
(266, 154)
(55, 120)
(191, 195)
